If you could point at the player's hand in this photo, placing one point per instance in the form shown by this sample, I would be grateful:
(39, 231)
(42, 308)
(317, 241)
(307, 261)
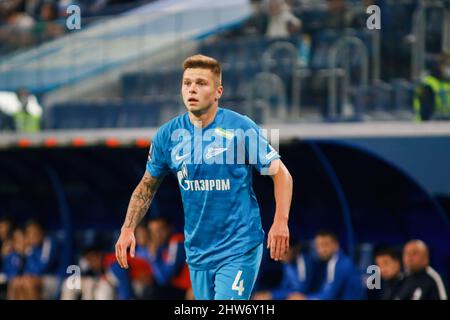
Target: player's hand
(278, 240)
(126, 240)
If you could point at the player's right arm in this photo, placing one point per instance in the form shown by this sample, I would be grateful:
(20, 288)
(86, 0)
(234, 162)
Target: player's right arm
(139, 203)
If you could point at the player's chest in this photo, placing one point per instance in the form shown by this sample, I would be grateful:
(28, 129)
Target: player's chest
(210, 154)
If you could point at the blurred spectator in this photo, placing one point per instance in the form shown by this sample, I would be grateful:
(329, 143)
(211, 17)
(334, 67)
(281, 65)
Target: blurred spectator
(38, 280)
(340, 279)
(432, 97)
(92, 271)
(142, 235)
(13, 256)
(256, 25)
(15, 26)
(131, 284)
(103, 279)
(167, 258)
(158, 270)
(32, 7)
(24, 108)
(282, 22)
(9, 6)
(357, 15)
(6, 227)
(422, 282)
(12, 13)
(297, 271)
(47, 27)
(6, 122)
(337, 15)
(392, 277)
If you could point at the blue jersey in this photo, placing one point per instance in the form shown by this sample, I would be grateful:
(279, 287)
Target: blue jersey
(341, 280)
(13, 265)
(297, 276)
(213, 166)
(43, 259)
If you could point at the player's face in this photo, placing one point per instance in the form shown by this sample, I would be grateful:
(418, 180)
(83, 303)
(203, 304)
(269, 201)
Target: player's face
(200, 90)
(389, 267)
(325, 247)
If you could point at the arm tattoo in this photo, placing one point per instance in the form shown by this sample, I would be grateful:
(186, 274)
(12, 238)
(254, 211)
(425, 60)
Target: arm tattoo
(141, 199)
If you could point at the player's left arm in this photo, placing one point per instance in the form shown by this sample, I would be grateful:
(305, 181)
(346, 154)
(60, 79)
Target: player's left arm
(278, 237)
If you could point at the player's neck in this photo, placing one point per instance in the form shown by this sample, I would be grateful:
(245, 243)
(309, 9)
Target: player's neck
(205, 118)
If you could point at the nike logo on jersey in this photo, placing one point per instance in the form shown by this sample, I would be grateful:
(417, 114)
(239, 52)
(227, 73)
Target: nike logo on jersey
(212, 152)
(180, 158)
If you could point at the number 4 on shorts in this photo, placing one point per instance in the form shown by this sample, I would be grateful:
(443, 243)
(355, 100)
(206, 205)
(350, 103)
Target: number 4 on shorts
(235, 286)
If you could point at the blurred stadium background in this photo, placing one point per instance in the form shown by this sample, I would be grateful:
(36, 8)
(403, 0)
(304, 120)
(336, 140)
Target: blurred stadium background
(365, 163)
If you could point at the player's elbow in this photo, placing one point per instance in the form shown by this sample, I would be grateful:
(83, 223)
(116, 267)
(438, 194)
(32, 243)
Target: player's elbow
(289, 179)
(284, 175)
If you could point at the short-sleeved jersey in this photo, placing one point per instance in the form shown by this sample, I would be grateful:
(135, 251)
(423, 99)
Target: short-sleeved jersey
(213, 166)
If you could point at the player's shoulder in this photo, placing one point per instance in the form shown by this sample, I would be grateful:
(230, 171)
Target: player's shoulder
(237, 119)
(166, 129)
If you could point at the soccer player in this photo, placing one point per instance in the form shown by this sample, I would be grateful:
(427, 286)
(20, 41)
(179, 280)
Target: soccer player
(212, 151)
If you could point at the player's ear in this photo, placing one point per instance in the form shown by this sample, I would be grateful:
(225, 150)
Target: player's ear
(218, 92)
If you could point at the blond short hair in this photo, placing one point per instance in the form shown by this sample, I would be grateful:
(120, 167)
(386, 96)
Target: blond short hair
(204, 62)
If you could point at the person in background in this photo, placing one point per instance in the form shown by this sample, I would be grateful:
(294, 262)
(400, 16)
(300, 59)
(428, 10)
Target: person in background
(133, 283)
(432, 96)
(297, 275)
(13, 253)
(103, 279)
(38, 280)
(92, 270)
(282, 22)
(392, 277)
(168, 261)
(12, 258)
(24, 108)
(340, 279)
(422, 282)
(337, 16)
(142, 239)
(47, 27)
(6, 228)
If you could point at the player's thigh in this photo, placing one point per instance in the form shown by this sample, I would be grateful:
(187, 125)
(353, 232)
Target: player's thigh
(202, 282)
(235, 280)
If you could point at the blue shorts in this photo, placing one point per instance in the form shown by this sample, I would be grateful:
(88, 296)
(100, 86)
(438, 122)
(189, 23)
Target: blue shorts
(231, 281)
